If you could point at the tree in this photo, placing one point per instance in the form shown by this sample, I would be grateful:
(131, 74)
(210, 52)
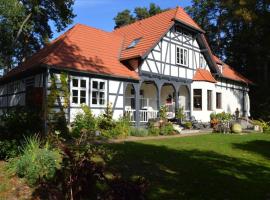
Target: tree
(238, 31)
(25, 26)
(127, 17)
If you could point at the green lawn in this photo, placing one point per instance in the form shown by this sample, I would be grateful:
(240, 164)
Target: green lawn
(199, 167)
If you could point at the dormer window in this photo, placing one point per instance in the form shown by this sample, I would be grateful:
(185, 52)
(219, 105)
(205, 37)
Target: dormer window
(220, 68)
(134, 43)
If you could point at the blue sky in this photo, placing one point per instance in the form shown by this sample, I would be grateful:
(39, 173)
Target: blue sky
(100, 13)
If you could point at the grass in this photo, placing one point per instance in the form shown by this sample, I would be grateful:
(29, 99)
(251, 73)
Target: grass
(211, 166)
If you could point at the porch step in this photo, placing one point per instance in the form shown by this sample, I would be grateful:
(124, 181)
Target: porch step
(186, 131)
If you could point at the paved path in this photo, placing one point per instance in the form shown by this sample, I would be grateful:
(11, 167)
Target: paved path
(132, 138)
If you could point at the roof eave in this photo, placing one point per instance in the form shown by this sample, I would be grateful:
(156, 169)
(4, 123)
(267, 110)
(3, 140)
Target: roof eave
(188, 25)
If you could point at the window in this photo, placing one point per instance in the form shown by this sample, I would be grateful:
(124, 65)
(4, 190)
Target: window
(98, 92)
(181, 56)
(134, 43)
(202, 61)
(79, 90)
(218, 100)
(197, 99)
(209, 99)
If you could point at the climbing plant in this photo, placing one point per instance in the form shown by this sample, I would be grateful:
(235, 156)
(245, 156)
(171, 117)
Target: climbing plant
(57, 120)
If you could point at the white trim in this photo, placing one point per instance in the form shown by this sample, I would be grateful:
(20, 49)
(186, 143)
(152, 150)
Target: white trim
(98, 90)
(79, 89)
(185, 56)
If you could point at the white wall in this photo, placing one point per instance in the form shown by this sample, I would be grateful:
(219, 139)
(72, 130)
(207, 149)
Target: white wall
(231, 98)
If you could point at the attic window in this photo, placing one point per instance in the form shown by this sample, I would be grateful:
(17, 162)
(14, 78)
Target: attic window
(134, 43)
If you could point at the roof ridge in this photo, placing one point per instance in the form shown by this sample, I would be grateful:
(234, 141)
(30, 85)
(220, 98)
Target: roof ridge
(139, 21)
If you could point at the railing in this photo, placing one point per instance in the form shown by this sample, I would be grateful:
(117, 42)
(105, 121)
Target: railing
(144, 115)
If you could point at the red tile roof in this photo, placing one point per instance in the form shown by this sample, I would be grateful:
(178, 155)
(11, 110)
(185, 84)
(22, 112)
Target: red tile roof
(83, 48)
(204, 75)
(150, 30)
(228, 72)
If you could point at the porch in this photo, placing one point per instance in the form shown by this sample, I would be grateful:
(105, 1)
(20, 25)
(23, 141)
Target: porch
(143, 101)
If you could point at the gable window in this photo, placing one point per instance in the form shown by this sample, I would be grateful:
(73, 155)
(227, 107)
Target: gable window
(134, 43)
(209, 99)
(197, 99)
(218, 100)
(98, 92)
(181, 56)
(79, 88)
(202, 61)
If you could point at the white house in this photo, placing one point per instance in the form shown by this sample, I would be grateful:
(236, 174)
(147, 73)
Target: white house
(161, 60)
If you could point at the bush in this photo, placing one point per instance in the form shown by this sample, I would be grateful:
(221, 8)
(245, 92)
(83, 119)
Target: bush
(20, 121)
(236, 128)
(139, 132)
(167, 129)
(15, 124)
(264, 125)
(121, 129)
(9, 148)
(37, 162)
(152, 129)
(84, 122)
(188, 125)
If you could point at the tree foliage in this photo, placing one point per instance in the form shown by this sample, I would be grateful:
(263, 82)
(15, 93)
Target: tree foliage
(238, 32)
(25, 26)
(126, 17)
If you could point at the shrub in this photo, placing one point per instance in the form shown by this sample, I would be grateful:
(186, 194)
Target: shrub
(9, 148)
(37, 162)
(236, 128)
(105, 121)
(264, 125)
(139, 132)
(20, 121)
(84, 122)
(180, 114)
(152, 129)
(163, 112)
(188, 125)
(121, 129)
(167, 129)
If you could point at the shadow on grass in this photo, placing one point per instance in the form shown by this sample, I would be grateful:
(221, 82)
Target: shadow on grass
(191, 174)
(261, 147)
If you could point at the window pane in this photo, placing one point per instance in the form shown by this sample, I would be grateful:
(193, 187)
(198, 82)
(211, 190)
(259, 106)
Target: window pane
(83, 83)
(95, 85)
(101, 101)
(94, 94)
(218, 100)
(94, 101)
(197, 99)
(75, 93)
(102, 85)
(74, 99)
(83, 100)
(83, 93)
(209, 100)
(101, 95)
(75, 82)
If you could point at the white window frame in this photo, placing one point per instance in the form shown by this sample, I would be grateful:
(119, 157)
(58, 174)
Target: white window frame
(79, 89)
(183, 61)
(98, 91)
(202, 61)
